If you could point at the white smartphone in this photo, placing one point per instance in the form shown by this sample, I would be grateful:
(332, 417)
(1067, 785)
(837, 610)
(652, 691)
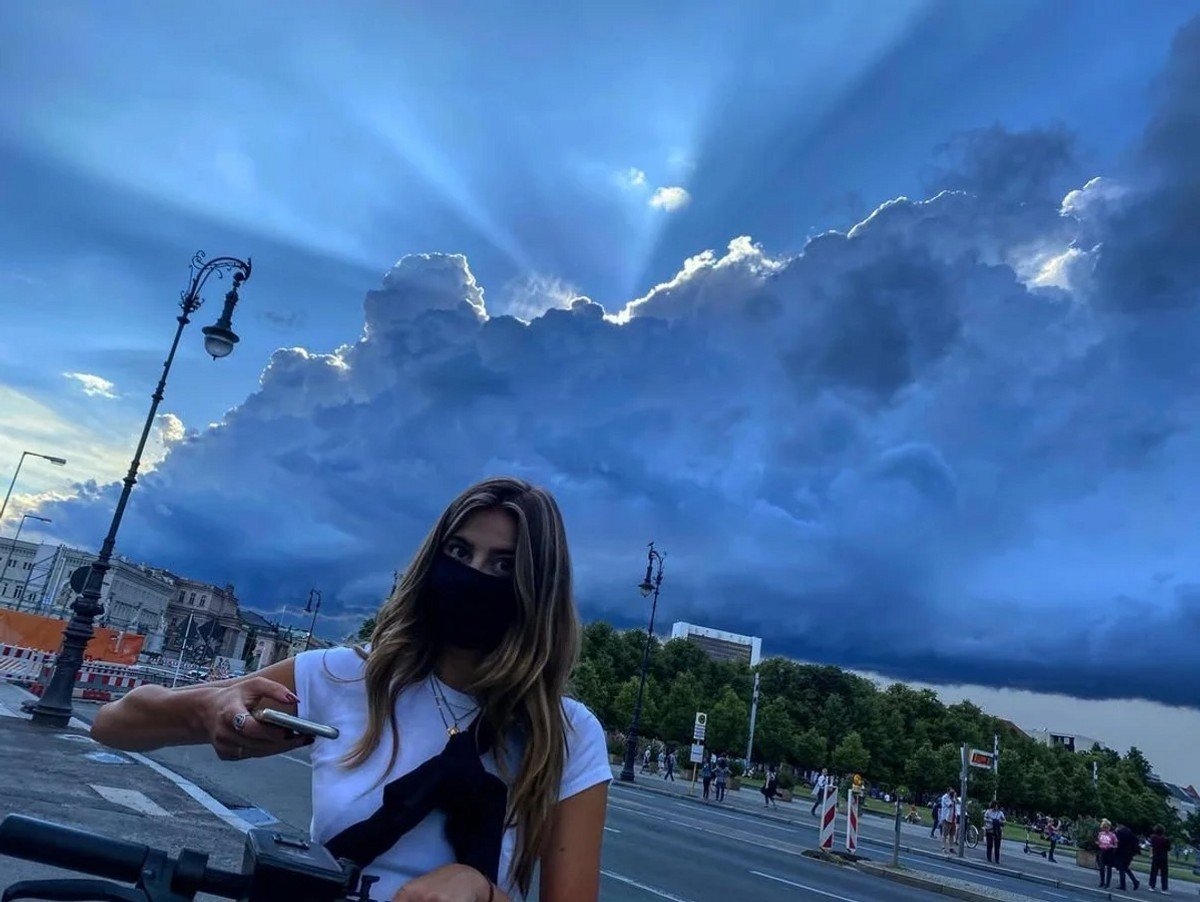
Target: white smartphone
(296, 724)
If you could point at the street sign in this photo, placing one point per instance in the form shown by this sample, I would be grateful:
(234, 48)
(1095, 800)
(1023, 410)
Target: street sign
(697, 756)
(980, 758)
(701, 726)
(78, 579)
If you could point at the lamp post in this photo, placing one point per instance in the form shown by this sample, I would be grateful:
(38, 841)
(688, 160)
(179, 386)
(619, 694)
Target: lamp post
(650, 585)
(308, 606)
(13, 544)
(54, 708)
(57, 461)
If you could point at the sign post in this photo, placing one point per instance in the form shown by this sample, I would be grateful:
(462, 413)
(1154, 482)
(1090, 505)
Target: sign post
(697, 755)
(829, 802)
(961, 819)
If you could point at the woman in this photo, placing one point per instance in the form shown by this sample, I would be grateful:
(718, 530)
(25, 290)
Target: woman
(454, 716)
(706, 775)
(770, 787)
(993, 829)
(1106, 851)
(1160, 861)
(722, 778)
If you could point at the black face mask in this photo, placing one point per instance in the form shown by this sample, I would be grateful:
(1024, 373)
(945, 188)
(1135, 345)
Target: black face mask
(466, 608)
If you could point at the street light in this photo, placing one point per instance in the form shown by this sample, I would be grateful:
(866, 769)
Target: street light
(307, 608)
(54, 708)
(13, 544)
(649, 585)
(57, 461)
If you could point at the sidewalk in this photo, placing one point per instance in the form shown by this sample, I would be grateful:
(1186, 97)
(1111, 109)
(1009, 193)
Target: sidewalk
(66, 777)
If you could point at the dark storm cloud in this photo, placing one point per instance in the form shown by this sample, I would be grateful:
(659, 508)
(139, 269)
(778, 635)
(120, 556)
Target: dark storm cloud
(950, 444)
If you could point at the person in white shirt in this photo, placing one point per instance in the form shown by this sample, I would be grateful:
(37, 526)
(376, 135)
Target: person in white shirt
(460, 765)
(819, 789)
(948, 818)
(993, 829)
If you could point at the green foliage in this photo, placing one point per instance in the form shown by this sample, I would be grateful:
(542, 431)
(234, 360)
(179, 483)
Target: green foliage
(814, 716)
(1191, 829)
(1085, 830)
(786, 778)
(365, 629)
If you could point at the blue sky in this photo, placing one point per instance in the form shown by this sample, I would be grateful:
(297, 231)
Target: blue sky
(965, 404)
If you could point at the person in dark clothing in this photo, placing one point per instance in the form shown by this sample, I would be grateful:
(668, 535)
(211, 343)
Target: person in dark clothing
(1127, 848)
(1160, 864)
(770, 786)
(1054, 834)
(935, 809)
(706, 775)
(722, 775)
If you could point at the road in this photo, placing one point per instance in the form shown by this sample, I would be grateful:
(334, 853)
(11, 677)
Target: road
(656, 846)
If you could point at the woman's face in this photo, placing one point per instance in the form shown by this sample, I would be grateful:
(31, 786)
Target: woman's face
(486, 541)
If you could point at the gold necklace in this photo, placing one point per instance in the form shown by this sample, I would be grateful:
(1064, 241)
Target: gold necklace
(439, 699)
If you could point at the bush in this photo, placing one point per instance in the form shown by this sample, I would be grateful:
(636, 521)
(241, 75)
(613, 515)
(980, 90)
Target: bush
(975, 812)
(1085, 831)
(616, 745)
(737, 768)
(786, 779)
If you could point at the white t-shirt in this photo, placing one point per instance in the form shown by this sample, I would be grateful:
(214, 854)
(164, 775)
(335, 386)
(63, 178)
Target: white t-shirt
(948, 809)
(332, 692)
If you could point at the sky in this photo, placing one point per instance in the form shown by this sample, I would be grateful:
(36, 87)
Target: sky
(878, 318)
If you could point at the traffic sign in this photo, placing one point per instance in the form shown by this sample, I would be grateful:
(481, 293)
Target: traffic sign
(701, 726)
(980, 758)
(697, 756)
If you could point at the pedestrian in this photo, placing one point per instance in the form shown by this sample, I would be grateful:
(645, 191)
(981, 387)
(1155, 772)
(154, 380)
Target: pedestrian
(770, 785)
(1160, 861)
(1054, 833)
(722, 777)
(819, 789)
(646, 760)
(460, 756)
(1127, 848)
(706, 775)
(1106, 851)
(670, 774)
(993, 829)
(935, 811)
(948, 816)
(662, 759)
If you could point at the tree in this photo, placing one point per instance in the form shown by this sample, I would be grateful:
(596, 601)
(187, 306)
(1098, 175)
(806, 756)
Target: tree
(850, 756)
(921, 771)
(728, 723)
(365, 629)
(775, 735)
(590, 689)
(812, 749)
(678, 712)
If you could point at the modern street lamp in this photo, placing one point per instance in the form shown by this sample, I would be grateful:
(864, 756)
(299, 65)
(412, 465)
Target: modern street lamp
(13, 544)
(57, 461)
(308, 606)
(649, 585)
(54, 708)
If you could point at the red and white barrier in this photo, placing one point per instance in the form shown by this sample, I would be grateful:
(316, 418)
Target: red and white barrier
(829, 802)
(97, 681)
(21, 665)
(852, 798)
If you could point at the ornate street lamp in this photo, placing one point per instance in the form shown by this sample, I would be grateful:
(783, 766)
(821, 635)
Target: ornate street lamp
(54, 708)
(650, 585)
(308, 608)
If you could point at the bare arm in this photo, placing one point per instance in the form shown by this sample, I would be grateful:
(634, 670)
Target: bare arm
(571, 857)
(151, 717)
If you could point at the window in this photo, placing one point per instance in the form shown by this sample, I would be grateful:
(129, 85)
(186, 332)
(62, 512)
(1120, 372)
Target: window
(192, 598)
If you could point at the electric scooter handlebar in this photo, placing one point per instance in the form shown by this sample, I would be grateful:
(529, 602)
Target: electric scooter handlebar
(274, 866)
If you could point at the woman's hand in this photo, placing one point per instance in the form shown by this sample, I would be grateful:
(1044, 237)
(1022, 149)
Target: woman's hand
(452, 883)
(231, 726)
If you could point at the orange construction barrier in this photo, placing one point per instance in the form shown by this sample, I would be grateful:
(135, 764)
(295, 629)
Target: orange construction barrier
(45, 633)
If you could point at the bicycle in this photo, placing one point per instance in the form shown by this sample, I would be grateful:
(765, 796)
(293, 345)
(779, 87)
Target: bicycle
(972, 836)
(274, 866)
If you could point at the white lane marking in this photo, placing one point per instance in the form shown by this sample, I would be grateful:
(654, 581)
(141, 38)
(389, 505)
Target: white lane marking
(297, 760)
(131, 798)
(195, 792)
(612, 829)
(657, 892)
(811, 889)
(1052, 893)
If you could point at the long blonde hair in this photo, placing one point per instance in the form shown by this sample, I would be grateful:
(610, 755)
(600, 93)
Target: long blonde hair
(520, 685)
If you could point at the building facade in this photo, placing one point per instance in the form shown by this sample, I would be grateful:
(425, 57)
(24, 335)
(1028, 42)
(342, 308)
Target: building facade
(206, 619)
(17, 565)
(719, 644)
(135, 597)
(1072, 742)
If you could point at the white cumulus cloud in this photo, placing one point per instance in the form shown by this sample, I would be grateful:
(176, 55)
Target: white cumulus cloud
(90, 384)
(670, 198)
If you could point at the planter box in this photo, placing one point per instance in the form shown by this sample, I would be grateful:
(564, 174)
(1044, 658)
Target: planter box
(1085, 859)
(785, 795)
(735, 783)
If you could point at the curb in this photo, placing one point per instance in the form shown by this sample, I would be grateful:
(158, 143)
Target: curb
(934, 885)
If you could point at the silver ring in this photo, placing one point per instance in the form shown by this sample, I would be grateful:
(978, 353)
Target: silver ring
(239, 721)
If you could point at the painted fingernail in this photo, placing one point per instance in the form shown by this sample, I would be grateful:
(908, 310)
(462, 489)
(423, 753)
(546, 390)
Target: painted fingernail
(293, 697)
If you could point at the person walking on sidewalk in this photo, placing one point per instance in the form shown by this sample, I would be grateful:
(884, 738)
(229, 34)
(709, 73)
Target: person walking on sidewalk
(722, 777)
(1160, 861)
(1054, 833)
(935, 811)
(670, 772)
(646, 760)
(770, 785)
(1106, 850)
(706, 775)
(948, 816)
(819, 789)
(993, 829)
(1127, 848)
